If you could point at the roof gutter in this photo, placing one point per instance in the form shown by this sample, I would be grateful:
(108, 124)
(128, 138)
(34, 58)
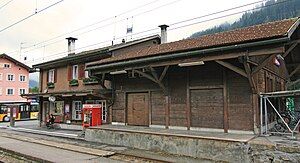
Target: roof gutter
(185, 54)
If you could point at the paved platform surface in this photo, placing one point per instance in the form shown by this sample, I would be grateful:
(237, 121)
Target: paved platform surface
(180, 133)
(47, 153)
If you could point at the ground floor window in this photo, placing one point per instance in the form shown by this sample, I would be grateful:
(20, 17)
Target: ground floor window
(104, 109)
(76, 110)
(59, 106)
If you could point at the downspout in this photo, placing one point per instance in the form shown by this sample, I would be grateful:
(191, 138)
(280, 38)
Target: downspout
(188, 54)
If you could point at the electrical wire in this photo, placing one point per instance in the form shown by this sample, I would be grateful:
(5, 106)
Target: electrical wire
(5, 4)
(182, 25)
(90, 25)
(112, 23)
(29, 16)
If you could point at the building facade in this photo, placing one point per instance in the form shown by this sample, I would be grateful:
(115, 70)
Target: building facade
(65, 85)
(14, 80)
(210, 83)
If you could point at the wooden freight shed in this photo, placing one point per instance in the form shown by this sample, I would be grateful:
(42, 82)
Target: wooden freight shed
(210, 83)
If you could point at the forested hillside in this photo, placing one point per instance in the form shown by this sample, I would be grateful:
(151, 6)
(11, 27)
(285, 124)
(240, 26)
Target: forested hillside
(270, 11)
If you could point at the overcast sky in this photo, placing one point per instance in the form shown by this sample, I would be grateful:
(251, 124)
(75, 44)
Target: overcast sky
(70, 15)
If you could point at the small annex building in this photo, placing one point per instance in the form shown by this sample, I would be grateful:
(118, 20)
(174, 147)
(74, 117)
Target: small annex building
(210, 83)
(65, 85)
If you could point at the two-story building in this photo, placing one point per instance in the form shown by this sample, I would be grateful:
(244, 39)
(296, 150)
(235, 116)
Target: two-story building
(14, 81)
(65, 85)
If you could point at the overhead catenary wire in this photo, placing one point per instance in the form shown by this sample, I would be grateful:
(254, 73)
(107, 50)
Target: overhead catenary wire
(90, 30)
(5, 4)
(95, 23)
(184, 25)
(29, 16)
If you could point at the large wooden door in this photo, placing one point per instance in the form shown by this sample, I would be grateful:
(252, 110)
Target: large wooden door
(138, 109)
(207, 108)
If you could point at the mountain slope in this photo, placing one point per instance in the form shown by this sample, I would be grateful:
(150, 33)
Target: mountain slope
(288, 9)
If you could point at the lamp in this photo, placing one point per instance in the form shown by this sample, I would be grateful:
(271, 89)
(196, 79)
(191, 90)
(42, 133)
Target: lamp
(191, 64)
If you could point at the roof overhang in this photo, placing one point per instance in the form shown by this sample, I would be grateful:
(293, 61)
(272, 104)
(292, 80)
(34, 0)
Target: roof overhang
(107, 67)
(76, 58)
(67, 93)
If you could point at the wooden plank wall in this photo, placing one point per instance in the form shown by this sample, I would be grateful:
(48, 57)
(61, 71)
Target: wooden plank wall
(205, 91)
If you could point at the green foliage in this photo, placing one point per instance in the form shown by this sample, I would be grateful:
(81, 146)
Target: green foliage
(50, 85)
(73, 82)
(90, 80)
(281, 11)
(34, 90)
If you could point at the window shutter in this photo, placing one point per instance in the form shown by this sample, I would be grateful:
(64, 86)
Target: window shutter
(55, 75)
(81, 71)
(69, 73)
(48, 76)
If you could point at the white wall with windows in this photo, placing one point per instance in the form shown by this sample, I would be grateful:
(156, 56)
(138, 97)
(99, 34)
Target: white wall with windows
(22, 78)
(10, 77)
(9, 91)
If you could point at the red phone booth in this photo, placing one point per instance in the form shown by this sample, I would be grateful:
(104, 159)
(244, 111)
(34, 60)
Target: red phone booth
(91, 114)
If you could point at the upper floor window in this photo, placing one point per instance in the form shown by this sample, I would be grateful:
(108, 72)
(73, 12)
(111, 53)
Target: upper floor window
(9, 91)
(75, 72)
(22, 91)
(51, 76)
(22, 78)
(7, 65)
(10, 77)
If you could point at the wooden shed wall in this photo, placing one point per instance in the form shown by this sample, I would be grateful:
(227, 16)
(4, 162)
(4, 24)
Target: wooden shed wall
(206, 98)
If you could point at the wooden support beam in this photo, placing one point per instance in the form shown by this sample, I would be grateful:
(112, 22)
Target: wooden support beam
(287, 52)
(294, 71)
(250, 77)
(232, 67)
(225, 103)
(161, 85)
(163, 74)
(263, 63)
(154, 74)
(146, 75)
(188, 100)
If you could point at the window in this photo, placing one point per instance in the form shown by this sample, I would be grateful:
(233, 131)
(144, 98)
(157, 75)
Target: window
(10, 77)
(7, 65)
(104, 109)
(22, 91)
(9, 91)
(1, 76)
(51, 76)
(75, 72)
(22, 78)
(86, 74)
(76, 110)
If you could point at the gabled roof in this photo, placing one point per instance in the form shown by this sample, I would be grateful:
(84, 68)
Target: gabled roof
(250, 34)
(92, 55)
(15, 61)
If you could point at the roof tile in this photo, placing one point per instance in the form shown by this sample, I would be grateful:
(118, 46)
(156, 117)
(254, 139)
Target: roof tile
(242, 35)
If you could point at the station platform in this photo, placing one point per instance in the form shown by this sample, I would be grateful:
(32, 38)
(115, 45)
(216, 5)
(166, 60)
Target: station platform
(214, 146)
(205, 145)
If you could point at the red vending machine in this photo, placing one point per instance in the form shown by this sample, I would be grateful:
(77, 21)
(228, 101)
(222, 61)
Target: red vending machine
(91, 114)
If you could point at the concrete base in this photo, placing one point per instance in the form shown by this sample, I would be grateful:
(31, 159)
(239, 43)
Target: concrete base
(178, 144)
(70, 127)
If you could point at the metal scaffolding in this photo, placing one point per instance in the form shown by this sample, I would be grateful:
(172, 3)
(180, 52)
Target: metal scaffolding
(267, 125)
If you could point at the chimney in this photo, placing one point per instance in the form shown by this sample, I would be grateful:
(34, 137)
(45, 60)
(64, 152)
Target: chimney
(71, 45)
(163, 29)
